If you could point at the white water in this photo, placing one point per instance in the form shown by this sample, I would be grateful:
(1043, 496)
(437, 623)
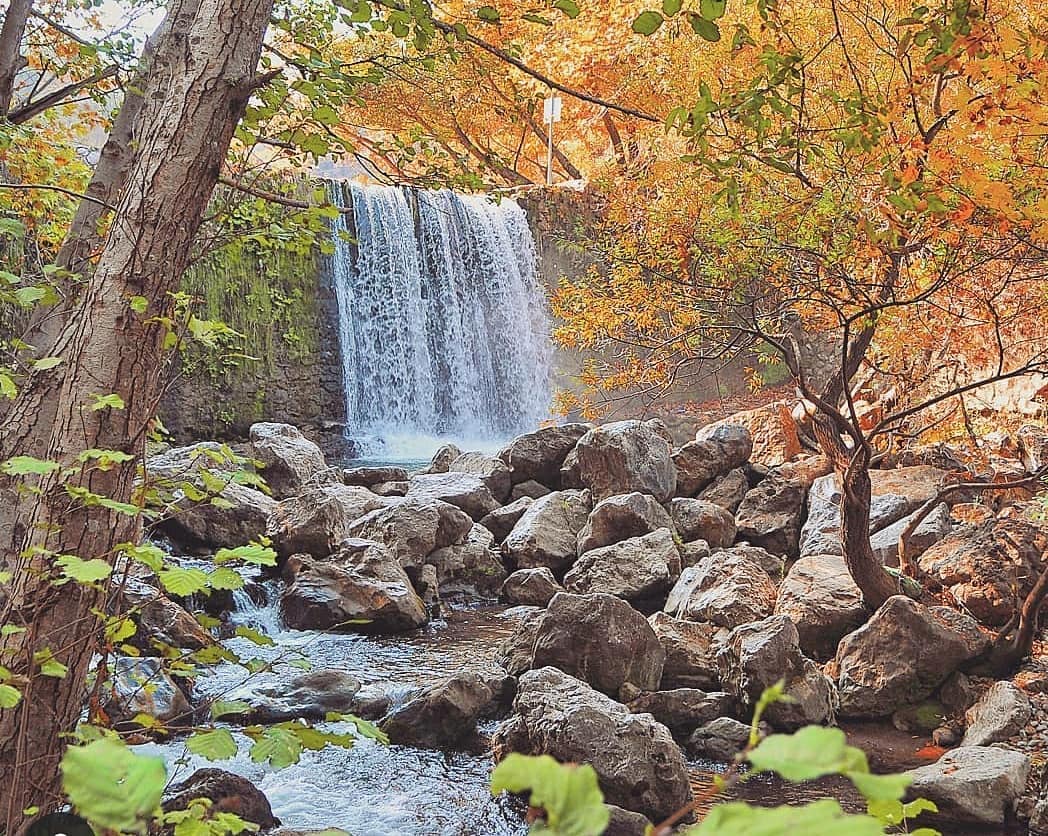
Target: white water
(444, 329)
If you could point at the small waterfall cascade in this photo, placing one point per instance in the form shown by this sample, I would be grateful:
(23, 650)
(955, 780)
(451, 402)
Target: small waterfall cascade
(444, 327)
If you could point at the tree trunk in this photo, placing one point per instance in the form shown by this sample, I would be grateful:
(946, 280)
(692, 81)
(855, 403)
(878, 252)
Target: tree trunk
(11, 60)
(206, 71)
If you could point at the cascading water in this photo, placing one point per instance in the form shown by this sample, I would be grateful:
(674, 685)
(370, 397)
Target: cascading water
(444, 330)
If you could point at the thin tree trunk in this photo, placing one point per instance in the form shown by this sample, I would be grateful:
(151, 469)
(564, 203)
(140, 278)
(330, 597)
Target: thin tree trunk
(11, 59)
(206, 73)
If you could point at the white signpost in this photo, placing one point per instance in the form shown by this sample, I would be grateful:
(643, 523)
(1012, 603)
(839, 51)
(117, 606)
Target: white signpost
(550, 114)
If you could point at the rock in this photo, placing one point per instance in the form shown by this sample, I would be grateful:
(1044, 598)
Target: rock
(494, 473)
(623, 457)
(142, 686)
(534, 587)
(637, 569)
(821, 531)
(922, 717)
(159, 621)
(500, 522)
(693, 553)
(727, 491)
(973, 784)
(546, 533)
(427, 587)
(682, 710)
(696, 519)
(756, 656)
(186, 464)
(945, 737)
(988, 569)
(471, 568)
(772, 428)
(821, 599)
(600, 639)
(369, 477)
(771, 516)
(917, 484)
(773, 564)
(901, 655)
(442, 459)
(618, 518)
(316, 520)
(530, 490)
(570, 472)
(1033, 447)
(289, 459)
(623, 822)
(463, 490)
(537, 456)
(363, 580)
(726, 588)
(517, 651)
(931, 530)
(1001, 712)
(309, 696)
(959, 693)
(805, 469)
(391, 488)
(228, 793)
(720, 740)
(702, 461)
(413, 528)
(240, 517)
(444, 715)
(691, 652)
(638, 765)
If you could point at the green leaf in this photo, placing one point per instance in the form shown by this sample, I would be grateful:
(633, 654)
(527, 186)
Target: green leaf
(26, 465)
(278, 746)
(110, 401)
(215, 745)
(489, 14)
(569, 794)
(225, 579)
(820, 818)
(29, 296)
(49, 665)
(146, 554)
(12, 227)
(223, 708)
(256, 554)
(83, 571)
(809, 753)
(713, 9)
(111, 787)
(880, 787)
(7, 386)
(9, 696)
(705, 29)
(253, 635)
(671, 7)
(138, 304)
(45, 363)
(183, 582)
(569, 7)
(647, 23)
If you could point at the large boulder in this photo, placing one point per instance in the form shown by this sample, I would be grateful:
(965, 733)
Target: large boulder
(463, 490)
(726, 588)
(973, 784)
(772, 428)
(516, 653)
(317, 519)
(699, 463)
(160, 623)
(771, 516)
(412, 528)
(442, 459)
(637, 569)
(901, 655)
(691, 652)
(361, 587)
(696, 519)
(494, 473)
(227, 793)
(289, 459)
(546, 533)
(682, 710)
(638, 765)
(727, 491)
(929, 531)
(600, 639)
(500, 522)
(917, 483)
(720, 739)
(626, 456)
(821, 599)
(618, 518)
(310, 696)
(369, 477)
(443, 715)
(999, 714)
(820, 533)
(140, 685)
(537, 456)
(532, 490)
(470, 568)
(235, 516)
(531, 587)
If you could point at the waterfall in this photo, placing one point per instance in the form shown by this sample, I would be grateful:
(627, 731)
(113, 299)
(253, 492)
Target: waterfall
(443, 324)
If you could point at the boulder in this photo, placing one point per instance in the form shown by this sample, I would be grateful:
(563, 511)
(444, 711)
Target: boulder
(470, 568)
(412, 528)
(309, 696)
(821, 599)
(691, 652)
(773, 564)
(369, 477)
(696, 519)
(239, 516)
(998, 715)
(391, 488)
(638, 765)
(142, 686)
(494, 473)
(537, 456)
(463, 490)
(289, 459)
(682, 710)
(546, 533)
(720, 740)
(316, 520)
(901, 655)
(626, 823)
(159, 621)
(623, 457)
(917, 483)
(771, 516)
(973, 784)
(618, 518)
(820, 533)
(533, 587)
(442, 459)
(363, 581)
(772, 428)
(637, 569)
(693, 553)
(726, 588)
(500, 522)
(1033, 447)
(517, 651)
(727, 490)
(227, 793)
(187, 464)
(531, 490)
(600, 639)
(885, 543)
(699, 463)
(443, 715)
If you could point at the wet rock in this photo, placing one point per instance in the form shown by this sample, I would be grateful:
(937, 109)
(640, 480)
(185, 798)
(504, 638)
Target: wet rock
(316, 520)
(931, 530)
(289, 459)
(537, 456)
(972, 784)
(901, 655)
(159, 621)
(517, 651)
(142, 686)
(696, 519)
(427, 587)
(463, 490)
(623, 457)
(546, 533)
(363, 580)
(625, 822)
(534, 587)
(998, 715)
(471, 568)
(717, 453)
(637, 569)
(239, 517)
(618, 518)
(309, 696)
(727, 491)
(600, 639)
(691, 652)
(369, 477)
(720, 740)
(530, 490)
(682, 710)
(500, 522)
(412, 528)
(442, 459)
(821, 599)
(772, 428)
(756, 656)
(494, 473)
(771, 516)
(726, 588)
(228, 793)
(638, 765)
(443, 715)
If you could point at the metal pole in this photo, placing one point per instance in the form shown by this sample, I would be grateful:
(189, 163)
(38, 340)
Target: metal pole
(549, 151)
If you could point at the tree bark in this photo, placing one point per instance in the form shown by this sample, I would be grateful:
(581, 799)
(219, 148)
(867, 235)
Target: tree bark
(11, 59)
(205, 73)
